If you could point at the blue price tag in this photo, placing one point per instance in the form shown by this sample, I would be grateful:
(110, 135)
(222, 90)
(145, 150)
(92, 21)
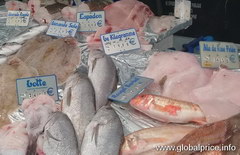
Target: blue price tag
(130, 89)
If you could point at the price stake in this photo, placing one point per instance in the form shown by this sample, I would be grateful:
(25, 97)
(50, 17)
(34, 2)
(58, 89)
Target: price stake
(120, 41)
(215, 54)
(18, 18)
(130, 89)
(60, 28)
(33, 86)
(91, 21)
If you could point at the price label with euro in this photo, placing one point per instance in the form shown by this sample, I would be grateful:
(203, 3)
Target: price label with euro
(18, 18)
(90, 21)
(120, 41)
(60, 28)
(33, 86)
(217, 54)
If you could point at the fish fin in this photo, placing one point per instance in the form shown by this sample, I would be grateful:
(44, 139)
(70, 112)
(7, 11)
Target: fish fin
(95, 134)
(200, 121)
(69, 96)
(51, 136)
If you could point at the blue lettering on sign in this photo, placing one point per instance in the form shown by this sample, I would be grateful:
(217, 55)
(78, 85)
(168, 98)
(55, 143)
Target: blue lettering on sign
(24, 15)
(206, 47)
(58, 24)
(86, 17)
(122, 90)
(13, 14)
(132, 82)
(73, 25)
(120, 36)
(99, 23)
(230, 49)
(50, 91)
(37, 83)
(105, 39)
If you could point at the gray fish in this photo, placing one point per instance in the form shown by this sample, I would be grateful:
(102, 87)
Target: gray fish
(103, 75)
(79, 102)
(59, 136)
(103, 136)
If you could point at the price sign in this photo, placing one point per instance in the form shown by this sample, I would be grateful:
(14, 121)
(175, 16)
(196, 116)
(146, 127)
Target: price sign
(91, 21)
(130, 89)
(215, 54)
(120, 41)
(182, 9)
(18, 18)
(33, 86)
(60, 28)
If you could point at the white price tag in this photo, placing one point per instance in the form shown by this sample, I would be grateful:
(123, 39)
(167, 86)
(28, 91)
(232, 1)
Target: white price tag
(91, 21)
(182, 9)
(215, 54)
(120, 41)
(60, 28)
(33, 86)
(18, 18)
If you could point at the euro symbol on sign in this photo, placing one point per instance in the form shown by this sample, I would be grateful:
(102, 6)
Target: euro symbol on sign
(50, 92)
(132, 41)
(99, 23)
(232, 58)
(70, 32)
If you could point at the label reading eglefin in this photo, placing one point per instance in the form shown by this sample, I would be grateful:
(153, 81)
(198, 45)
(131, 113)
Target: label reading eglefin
(130, 89)
(216, 54)
(120, 41)
(18, 18)
(33, 86)
(91, 21)
(60, 28)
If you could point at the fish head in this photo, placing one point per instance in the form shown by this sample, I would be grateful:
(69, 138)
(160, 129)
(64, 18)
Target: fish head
(130, 145)
(142, 101)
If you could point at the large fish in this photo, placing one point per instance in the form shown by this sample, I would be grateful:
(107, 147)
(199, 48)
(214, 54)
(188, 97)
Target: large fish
(104, 134)
(59, 136)
(168, 110)
(210, 134)
(103, 75)
(148, 139)
(79, 102)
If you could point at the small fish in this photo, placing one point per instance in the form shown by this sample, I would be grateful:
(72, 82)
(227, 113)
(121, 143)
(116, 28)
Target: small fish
(79, 102)
(212, 134)
(59, 136)
(148, 139)
(103, 136)
(103, 75)
(168, 110)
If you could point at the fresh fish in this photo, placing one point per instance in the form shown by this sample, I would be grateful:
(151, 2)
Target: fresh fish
(14, 139)
(104, 134)
(37, 112)
(11, 70)
(103, 75)
(133, 120)
(59, 136)
(168, 110)
(13, 45)
(148, 139)
(210, 134)
(79, 102)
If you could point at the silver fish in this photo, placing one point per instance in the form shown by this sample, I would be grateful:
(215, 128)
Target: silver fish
(103, 75)
(59, 136)
(103, 136)
(79, 102)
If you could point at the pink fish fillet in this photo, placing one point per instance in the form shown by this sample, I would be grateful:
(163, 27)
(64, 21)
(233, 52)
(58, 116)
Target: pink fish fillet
(127, 14)
(16, 5)
(220, 98)
(70, 13)
(42, 16)
(168, 110)
(14, 139)
(34, 5)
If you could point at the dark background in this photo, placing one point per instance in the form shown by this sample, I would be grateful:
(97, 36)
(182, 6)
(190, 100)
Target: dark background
(219, 18)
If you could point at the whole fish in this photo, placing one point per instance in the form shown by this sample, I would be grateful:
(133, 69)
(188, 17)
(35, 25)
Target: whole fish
(103, 75)
(148, 139)
(210, 134)
(59, 136)
(79, 102)
(168, 110)
(104, 134)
